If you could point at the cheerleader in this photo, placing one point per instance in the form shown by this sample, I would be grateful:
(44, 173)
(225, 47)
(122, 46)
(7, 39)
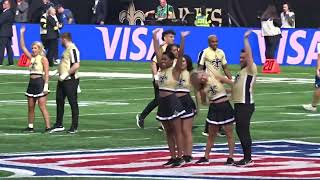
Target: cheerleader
(170, 109)
(38, 87)
(183, 93)
(210, 90)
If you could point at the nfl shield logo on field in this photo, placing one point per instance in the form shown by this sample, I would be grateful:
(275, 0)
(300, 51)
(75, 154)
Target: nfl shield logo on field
(273, 160)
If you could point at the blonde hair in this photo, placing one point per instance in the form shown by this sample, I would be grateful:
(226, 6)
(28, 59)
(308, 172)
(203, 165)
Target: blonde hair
(50, 9)
(42, 51)
(194, 80)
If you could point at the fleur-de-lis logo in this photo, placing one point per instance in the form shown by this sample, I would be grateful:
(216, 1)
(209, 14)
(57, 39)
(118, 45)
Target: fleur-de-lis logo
(33, 65)
(237, 78)
(181, 82)
(162, 79)
(216, 63)
(212, 89)
(131, 15)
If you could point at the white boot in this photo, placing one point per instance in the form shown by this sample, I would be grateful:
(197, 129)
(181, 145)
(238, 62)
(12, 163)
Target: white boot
(309, 107)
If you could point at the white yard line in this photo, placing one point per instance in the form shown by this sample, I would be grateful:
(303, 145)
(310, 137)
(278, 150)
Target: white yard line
(136, 112)
(284, 120)
(100, 137)
(142, 76)
(141, 139)
(281, 93)
(55, 81)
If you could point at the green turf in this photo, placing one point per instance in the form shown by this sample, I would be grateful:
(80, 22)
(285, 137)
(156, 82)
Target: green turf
(101, 129)
(5, 174)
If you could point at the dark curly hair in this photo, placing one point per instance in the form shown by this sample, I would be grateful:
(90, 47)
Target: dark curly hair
(169, 54)
(189, 62)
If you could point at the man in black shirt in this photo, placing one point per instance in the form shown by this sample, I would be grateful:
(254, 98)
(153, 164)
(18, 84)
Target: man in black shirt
(6, 22)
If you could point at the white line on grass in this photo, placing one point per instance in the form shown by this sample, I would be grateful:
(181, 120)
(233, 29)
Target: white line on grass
(81, 115)
(141, 139)
(294, 113)
(280, 93)
(116, 129)
(55, 81)
(254, 122)
(136, 112)
(108, 90)
(98, 137)
(16, 134)
(281, 121)
(148, 76)
(313, 115)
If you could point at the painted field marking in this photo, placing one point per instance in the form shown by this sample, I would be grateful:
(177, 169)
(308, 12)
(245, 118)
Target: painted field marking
(100, 137)
(81, 103)
(141, 139)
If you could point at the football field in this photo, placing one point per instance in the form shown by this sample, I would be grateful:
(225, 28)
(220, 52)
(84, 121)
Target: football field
(114, 92)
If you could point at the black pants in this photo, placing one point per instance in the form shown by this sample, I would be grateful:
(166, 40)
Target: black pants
(153, 104)
(272, 42)
(67, 89)
(52, 45)
(44, 41)
(243, 113)
(5, 43)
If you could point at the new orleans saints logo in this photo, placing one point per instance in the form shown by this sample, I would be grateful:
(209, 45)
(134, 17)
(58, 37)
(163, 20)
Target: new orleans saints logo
(131, 15)
(181, 82)
(216, 63)
(162, 79)
(33, 65)
(237, 78)
(212, 89)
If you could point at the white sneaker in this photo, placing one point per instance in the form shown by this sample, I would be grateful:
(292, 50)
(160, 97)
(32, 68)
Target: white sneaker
(309, 107)
(57, 129)
(205, 134)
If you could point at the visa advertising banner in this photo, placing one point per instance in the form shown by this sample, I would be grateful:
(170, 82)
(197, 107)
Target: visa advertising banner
(134, 43)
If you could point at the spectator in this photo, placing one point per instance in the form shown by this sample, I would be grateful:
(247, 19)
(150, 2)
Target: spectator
(43, 30)
(22, 11)
(271, 23)
(99, 12)
(65, 15)
(53, 30)
(287, 17)
(37, 8)
(35, 11)
(163, 11)
(46, 5)
(6, 32)
(202, 18)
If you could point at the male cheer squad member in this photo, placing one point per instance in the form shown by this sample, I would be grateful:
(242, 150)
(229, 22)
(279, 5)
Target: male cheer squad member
(183, 93)
(316, 94)
(168, 38)
(242, 95)
(210, 88)
(68, 84)
(38, 88)
(170, 109)
(213, 60)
